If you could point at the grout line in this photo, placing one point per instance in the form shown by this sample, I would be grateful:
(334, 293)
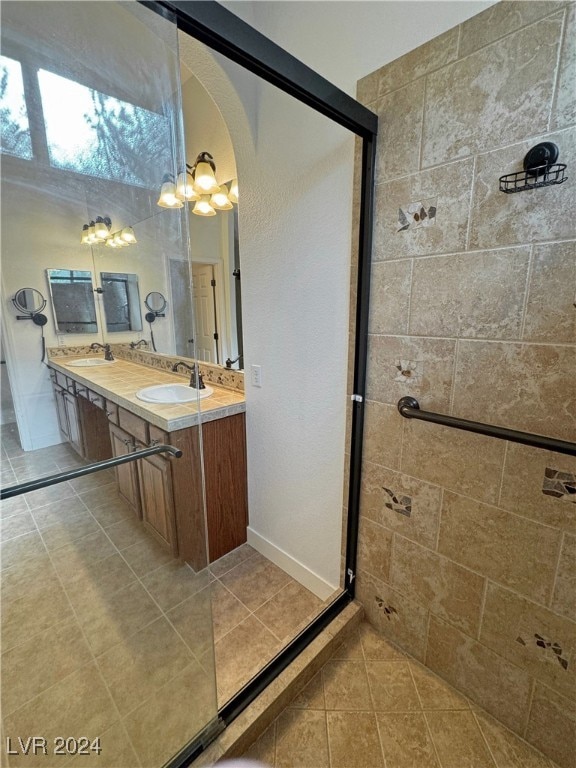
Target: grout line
(558, 67)
(482, 608)
(527, 283)
(471, 204)
(422, 123)
(484, 739)
(529, 708)
(556, 572)
(429, 731)
(410, 294)
(474, 340)
(454, 374)
(440, 508)
(502, 474)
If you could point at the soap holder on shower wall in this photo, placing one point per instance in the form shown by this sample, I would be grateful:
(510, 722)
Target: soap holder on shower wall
(540, 170)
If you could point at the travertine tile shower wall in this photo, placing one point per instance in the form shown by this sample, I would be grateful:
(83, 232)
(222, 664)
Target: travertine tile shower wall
(467, 552)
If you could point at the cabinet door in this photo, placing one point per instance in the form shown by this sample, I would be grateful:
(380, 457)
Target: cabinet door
(157, 501)
(61, 412)
(74, 427)
(126, 474)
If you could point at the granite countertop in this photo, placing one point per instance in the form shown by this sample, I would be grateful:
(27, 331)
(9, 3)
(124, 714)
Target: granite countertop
(119, 382)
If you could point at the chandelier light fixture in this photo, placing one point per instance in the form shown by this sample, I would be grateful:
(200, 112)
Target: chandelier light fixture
(98, 232)
(197, 184)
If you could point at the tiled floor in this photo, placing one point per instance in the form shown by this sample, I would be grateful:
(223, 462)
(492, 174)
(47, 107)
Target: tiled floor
(371, 706)
(102, 630)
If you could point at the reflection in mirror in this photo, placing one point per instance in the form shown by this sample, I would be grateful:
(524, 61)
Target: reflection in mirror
(121, 301)
(155, 302)
(72, 297)
(29, 300)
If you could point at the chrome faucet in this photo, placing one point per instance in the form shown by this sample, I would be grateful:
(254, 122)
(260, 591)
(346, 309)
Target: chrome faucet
(196, 380)
(137, 344)
(107, 351)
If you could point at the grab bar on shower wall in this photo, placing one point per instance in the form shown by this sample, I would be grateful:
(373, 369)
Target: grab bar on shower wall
(97, 466)
(409, 407)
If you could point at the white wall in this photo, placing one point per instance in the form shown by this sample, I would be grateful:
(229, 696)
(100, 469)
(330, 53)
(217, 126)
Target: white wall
(295, 173)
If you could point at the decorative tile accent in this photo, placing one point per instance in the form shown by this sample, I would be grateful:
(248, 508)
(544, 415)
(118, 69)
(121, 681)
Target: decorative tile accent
(561, 485)
(556, 652)
(401, 504)
(418, 214)
(409, 371)
(389, 611)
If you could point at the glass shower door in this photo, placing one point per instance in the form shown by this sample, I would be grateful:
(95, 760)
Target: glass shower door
(107, 650)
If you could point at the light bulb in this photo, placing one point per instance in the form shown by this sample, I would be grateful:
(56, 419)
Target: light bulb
(203, 207)
(84, 239)
(185, 189)
(91, 237)
(233, 194)
(101, 229)
(204, 179)
(168, 197)
(219, 199)
(128, 235)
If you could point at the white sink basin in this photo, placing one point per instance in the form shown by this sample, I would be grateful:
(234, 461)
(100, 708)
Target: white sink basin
(172, 393)
(90, 362)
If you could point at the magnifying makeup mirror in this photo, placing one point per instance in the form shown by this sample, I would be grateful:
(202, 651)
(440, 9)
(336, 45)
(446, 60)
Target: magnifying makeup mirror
(155, 304)
(31, 303)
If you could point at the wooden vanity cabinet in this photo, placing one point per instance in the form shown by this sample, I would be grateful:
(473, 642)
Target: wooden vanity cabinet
(126, 474)
(169, 490)
(67, 412)
(94, 421)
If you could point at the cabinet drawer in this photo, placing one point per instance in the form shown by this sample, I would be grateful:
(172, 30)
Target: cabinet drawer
(134, 425)
(112, 412)
(158, 435)
(64, 382)
(96, 400)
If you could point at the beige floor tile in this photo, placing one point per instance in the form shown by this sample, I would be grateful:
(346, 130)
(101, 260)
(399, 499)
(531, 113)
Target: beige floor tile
(392, 687)
(406, 742)
(114, 511)
(58, 512)
(16, 525)
(234, 667)
(16, 551)
(263, 749)
(255, 581)
(346, 685)
(78, 704)
(312, 696)
(116, 751)
(508, 750)
(175, 582)
(127, 532)
(62, 534)
(232, 559)
(14, 506)
(33, 613)
(143, 663)
(145, 555)
(289, 610)
(434, 692)
(27, 578)
(97, 581)
(458, 740)
(111, 618)
(192, 619)
(301, 739)
(102, 496)
(350, 649)
(83, 552)
(353, 740)
(48, 495)
(158, 729)
(92, 481)
(31, 667)
(376, 647)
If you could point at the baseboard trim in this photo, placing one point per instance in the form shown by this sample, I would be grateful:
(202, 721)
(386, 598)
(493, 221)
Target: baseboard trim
(295, 568)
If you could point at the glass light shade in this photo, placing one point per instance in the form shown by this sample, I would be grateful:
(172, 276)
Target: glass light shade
(168, 197)
(203, 207)
(128, 235)
(84, 240)
(185, 188)
(233, 194)
(219, 199)
(118, 241)
(101, 229)
(110, 243)
(91, 237)
(204, 179)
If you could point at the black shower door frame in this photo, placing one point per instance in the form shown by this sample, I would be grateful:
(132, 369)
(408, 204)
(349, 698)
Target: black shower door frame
(219, 29)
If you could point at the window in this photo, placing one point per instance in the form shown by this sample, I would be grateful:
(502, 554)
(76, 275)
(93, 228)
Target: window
(13, 115)
(91, 133)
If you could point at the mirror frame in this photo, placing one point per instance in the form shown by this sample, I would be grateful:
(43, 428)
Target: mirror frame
(222, 31)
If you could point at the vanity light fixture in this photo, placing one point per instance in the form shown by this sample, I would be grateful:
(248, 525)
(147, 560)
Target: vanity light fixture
(97, 232)
(197, 184)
